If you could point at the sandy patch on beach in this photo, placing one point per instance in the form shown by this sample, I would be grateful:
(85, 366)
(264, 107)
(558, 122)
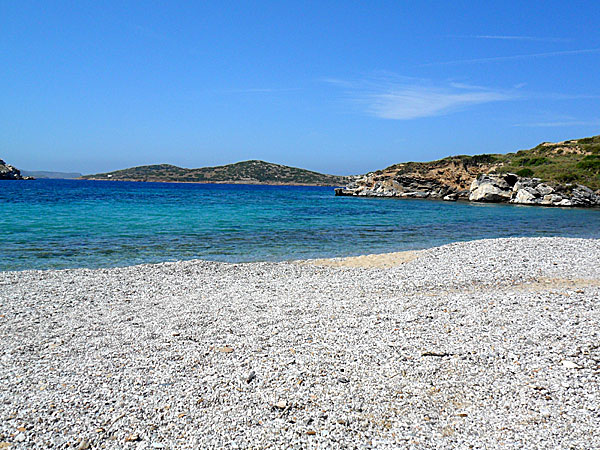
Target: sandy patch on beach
(381, 260)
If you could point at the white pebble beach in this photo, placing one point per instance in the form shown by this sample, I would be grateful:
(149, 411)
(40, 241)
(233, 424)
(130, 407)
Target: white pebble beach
(482, 344)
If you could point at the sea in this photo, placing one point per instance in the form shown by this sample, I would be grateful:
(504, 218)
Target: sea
(58, 224)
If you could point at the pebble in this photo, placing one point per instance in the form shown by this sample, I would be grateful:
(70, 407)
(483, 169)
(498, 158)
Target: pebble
(250, 377)
(511, 361)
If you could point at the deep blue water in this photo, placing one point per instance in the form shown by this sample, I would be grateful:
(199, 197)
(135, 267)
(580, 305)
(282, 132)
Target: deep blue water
(69, 223)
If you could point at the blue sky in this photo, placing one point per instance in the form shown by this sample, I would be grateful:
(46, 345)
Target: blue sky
(338, 87)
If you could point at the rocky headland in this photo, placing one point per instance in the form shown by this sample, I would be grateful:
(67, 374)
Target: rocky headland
(551, 174)
(8, 172)
(447, 177)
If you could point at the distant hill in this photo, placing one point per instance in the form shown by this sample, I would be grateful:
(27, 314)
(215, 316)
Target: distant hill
(248, 172)
(47, 174)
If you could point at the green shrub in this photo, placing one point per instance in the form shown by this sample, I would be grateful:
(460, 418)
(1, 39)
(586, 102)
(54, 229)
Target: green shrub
(523, 162)
(593, 148)
(588, 140)
(482, 159)
(567, 177)
(532, 161)
(590, 162)
(538, 161)
(526, 172)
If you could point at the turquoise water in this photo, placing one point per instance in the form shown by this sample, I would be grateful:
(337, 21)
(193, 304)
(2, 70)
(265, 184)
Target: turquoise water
(66, 223)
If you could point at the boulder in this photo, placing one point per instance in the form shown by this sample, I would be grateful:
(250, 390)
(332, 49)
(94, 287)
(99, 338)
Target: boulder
(451, 197)
(551, 199)
(415, 194)
(526, 183)
(584, 196)
(492, 188)
(343, 192)
(544, 189)
(524, 197)
(489, 193)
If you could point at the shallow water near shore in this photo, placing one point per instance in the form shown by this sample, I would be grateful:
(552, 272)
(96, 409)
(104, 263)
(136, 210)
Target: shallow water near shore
(52, 224)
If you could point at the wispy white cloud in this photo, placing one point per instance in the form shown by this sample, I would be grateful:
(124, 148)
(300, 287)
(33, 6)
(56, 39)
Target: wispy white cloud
(405, 98)
(560, 96)
(513, 57)
(256, 90)
(408, 98)
(567, 123)
(337, 82)
(518, 38)
(468, 86)
(411, 102)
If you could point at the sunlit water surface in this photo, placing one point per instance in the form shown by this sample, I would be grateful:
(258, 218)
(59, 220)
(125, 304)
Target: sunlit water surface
(70, 223)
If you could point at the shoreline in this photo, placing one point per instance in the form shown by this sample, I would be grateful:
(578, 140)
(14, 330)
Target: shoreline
(384, 260)
(490, 342)
(248, 183)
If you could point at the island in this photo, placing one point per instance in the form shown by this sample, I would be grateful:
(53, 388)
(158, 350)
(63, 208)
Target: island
(50, 175)
(245, 172)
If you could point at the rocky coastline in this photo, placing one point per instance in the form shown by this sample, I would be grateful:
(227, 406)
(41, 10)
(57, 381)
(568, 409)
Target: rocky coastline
(531, 191)
(485, 187)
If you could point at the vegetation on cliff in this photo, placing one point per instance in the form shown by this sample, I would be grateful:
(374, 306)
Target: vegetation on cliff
(251, 172)
(572, 161)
